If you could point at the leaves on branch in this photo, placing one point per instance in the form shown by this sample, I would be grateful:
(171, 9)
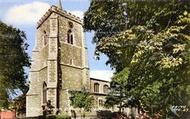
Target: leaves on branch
(13, 59)
(150, 54)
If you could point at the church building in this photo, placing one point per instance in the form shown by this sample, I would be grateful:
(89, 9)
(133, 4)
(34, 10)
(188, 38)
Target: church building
(60, 64)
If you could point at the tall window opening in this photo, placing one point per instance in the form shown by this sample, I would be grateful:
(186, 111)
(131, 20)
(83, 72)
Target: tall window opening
(96, 87)
(71, 61)
(44, 93)
(105, 88)
(70, 37)
(45, 38)
(101, 103)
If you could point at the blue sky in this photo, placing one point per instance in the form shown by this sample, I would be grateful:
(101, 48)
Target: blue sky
(24, 14)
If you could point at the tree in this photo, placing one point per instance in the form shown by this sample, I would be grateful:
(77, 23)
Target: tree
(82, 100)
(120, 92)
(13, 59)
(3, 98)
(119, 87)
(128, 14)
(153, 46)
(19, 104)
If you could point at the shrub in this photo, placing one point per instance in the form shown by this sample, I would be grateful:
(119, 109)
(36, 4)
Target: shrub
(63, 116)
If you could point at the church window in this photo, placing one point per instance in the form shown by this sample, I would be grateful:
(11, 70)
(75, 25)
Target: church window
(70, 37)
(70, 25)
(71, 61)
(96, 87)
(45, 38)
(101, 103)
(105, 88)
(44, 93)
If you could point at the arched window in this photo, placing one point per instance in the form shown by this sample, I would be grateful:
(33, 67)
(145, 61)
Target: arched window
(96, 87)
(105, 88)
(44, 93)
(70, 37)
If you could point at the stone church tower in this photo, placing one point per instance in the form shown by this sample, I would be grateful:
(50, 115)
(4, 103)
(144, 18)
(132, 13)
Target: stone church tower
(59, 62)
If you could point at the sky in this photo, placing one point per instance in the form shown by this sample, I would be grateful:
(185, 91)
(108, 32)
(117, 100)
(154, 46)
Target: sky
(24, 14)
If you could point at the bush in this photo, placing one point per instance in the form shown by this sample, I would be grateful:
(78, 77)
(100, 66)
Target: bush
(63, 116)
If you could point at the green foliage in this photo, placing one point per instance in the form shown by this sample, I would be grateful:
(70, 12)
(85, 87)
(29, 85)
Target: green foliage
(3, 98)
(128, 14)
(13, 59)
(100, 15)
(63, 116)
(82, 100)
(120, 91)
(150, 55)
(19, 104)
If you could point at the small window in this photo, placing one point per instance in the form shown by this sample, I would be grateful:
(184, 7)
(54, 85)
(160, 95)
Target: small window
(105, 88)
(70, 25)
(71, 61)
(70, 37)
(101, 103)
(96, 87)
(96, 101)
(45, 38)
(44, 93)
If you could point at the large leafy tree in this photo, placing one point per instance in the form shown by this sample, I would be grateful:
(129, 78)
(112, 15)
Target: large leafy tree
(120, 92)
(13, 59)
(154, 47)
(82, 100)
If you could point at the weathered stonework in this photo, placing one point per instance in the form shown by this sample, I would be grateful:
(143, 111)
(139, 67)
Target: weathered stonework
(59, 65)
(56, 63)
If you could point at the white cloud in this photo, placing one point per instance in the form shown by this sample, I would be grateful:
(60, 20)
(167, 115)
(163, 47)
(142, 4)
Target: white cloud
(79, 14)
(101, 74)
(26, 14)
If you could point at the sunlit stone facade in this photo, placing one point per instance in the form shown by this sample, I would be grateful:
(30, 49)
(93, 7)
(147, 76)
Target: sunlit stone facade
(60, 64)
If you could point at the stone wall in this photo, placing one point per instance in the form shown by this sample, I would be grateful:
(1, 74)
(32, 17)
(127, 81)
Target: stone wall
(61, 65)
(101, 83)
(74, 70)
(38, 73)
(99, 97)
(71, 55)
(64, 27)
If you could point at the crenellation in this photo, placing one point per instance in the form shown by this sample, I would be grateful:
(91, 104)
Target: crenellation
(56, 10)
